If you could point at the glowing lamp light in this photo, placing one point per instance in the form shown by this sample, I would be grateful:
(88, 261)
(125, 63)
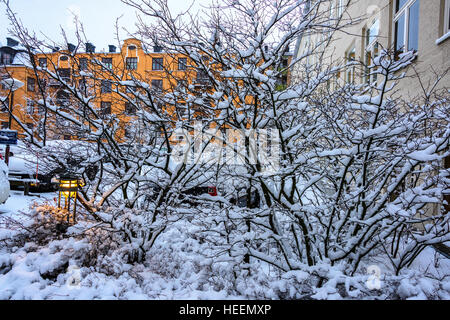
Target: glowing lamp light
(68, 190)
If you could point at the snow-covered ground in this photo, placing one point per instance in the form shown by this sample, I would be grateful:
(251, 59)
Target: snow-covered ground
(18, 202)
(176, 268)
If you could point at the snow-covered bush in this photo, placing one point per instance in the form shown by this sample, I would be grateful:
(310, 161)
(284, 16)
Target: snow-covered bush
(359, 171)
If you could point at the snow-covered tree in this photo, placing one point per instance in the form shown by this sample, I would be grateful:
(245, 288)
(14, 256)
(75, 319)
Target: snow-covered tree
(357, 172)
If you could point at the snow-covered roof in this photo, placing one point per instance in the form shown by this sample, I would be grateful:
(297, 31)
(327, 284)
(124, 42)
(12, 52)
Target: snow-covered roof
(22, 58)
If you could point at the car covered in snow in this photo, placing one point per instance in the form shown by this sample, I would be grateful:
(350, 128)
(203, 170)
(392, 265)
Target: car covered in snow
(24, 167)
(32, 165)
(4, 182)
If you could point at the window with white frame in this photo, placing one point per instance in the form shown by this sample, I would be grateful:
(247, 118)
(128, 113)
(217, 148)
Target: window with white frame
(447, 17)
(350, 72)
(371, 48)
(406, 25)
(340, 8)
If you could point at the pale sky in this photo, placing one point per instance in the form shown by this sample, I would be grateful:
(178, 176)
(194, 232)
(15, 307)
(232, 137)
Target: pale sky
(98, 17)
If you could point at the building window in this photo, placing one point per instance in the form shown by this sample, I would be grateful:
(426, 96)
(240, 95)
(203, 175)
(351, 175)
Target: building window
(105, 109)
(43, 62)
(4, 106)
(31, 84)
(64, 73)
(406, 25)
(107, 62)
(82, 84)
(131, 63)
(350, 72)
(6, 58)
(106, 86)
(30, 106)
(447, 17)
(64, 58)
(340, 8)
(130, 108)
(371, 48)
(29, 125)
(157, 84)
(157, 64)
(83, 64)
(182, 63)
(62, 98)
(5, 124)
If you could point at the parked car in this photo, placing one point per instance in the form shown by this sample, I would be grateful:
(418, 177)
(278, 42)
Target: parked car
(25, 165)
(187, 195)
(4, 182)
(255, 200)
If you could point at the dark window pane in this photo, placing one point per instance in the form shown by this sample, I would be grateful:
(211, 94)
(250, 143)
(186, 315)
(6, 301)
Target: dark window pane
(448, 18)
(157, 84)
(130, 108)
(400, 34)
(43, 62)
(105, 109)
(62, 98)
(4, 106)
(413, 31)
(131, 63)
(107, 62)
(31, 84)
(182, 63)
(64, 74)
(157, 64)
(106, 86)
(400, 4)
(83, 63)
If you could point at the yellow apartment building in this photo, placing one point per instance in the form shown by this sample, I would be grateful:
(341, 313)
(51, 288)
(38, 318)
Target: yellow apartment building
(107, 77)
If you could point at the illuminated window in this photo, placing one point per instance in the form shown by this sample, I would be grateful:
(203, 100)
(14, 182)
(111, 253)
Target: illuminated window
(406, 25)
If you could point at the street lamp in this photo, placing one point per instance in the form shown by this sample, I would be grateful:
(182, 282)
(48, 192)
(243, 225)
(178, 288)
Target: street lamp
(68, 189)
(13, 85)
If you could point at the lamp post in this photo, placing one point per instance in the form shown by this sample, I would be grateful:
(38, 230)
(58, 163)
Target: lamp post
(68, 189)
(13, 85)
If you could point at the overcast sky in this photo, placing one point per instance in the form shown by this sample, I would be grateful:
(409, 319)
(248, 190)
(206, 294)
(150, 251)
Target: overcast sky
(98, 17)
